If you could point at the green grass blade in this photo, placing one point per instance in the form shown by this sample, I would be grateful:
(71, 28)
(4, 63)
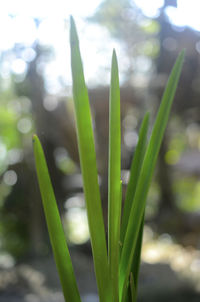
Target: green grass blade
(114, 178)
(132, 288)
(55, 229)
(89, 169)
(131, 188)
(130, 293)
(134, 174)
(145, 177)
(132, 184)
(135, 267)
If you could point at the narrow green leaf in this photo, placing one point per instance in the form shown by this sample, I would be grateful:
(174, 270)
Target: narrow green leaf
(114, 178)
(134, 174)
(145, 177)
(89, 169)
(131, 290)
(135, 267)
(56, 233)
(132, 184)
(132, 287)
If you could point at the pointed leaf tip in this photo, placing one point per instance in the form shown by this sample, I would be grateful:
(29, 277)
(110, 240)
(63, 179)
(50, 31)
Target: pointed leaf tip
(114, 69)
(73, 32)
(114, 56)
(181, 57)
(114, 52)
(34, 137)
(147, 117)
(183, 52)
(72, 22)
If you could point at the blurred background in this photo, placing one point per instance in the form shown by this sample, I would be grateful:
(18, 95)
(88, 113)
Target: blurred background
(36, 97)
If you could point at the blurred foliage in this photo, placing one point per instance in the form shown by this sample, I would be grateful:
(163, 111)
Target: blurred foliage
(187, 191)
(137, 34)
(64, 162)
(177, 143)
(153, 200)
(17, 125)
(13, 235)
(10, 137)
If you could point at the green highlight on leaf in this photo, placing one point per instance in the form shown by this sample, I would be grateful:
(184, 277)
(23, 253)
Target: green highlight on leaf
(89, 169)
(132, 288)
(114, 178)
(55, 229)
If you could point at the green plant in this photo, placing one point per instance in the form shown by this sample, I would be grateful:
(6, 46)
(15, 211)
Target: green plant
(116, 267)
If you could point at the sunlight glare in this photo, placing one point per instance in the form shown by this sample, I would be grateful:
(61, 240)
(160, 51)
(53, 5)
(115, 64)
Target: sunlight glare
(149, 8)
(187, 13)
(48, 22)
(44, 9)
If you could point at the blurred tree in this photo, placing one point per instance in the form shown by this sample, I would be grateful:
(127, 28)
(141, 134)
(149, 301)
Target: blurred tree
(159, 41)
(127, 24)
(23, 227)
(140, 36)
(13, 233)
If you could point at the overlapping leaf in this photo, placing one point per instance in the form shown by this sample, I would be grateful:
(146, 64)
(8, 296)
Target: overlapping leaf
(138, 206)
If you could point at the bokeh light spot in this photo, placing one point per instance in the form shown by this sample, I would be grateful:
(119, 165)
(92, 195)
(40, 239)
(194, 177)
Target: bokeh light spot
(172, 157)
(10, 177)
(24, 125)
